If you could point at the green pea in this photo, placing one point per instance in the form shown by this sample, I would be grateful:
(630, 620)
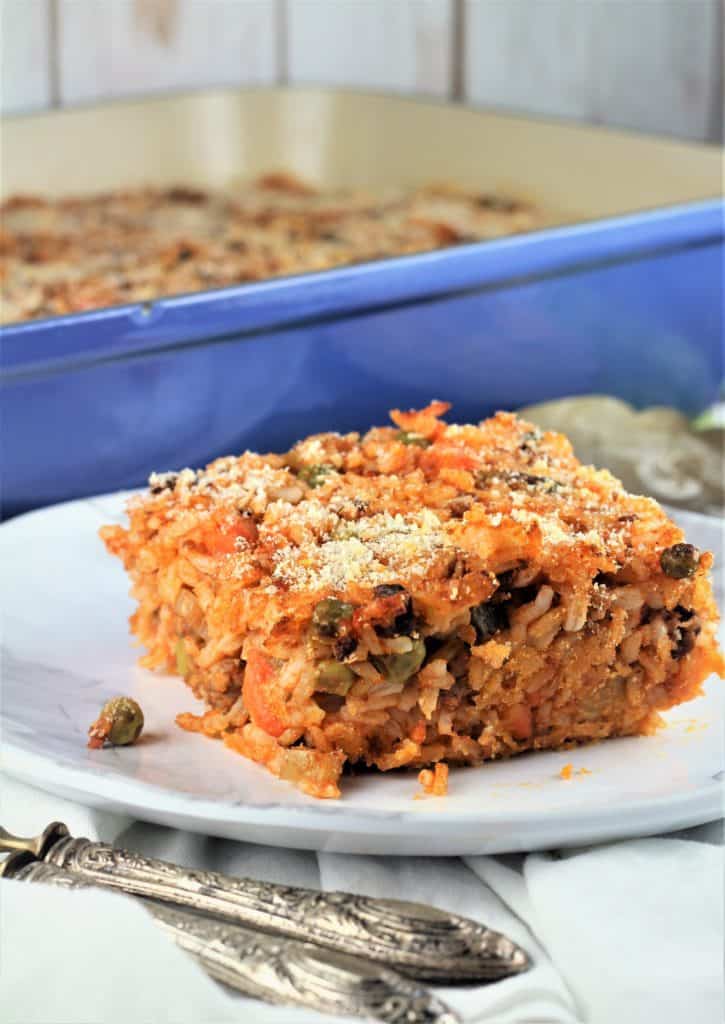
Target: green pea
(126, 721)
(680, 561)
(333, 677)
(328, 615)
(410, 437)
(399, 667)
(315, 474)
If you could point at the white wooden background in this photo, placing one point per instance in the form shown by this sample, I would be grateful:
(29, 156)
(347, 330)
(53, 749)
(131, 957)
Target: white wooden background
(654, 65)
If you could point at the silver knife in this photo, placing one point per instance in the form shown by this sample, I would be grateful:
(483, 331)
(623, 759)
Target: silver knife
(274, 969)
(414, 939)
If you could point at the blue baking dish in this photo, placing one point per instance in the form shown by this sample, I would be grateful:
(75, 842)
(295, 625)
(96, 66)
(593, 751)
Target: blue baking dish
(628, 305)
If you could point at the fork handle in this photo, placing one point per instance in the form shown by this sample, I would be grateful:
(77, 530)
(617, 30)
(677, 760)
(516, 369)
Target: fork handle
(270, 968)
(414, 939)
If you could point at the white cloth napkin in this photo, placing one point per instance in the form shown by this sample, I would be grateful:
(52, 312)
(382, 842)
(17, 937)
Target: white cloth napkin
(624, 933)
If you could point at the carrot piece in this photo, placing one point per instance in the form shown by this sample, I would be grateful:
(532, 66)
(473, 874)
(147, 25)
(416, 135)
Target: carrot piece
(439, 457)
(258, 678)
(222, 540)
(425, 422)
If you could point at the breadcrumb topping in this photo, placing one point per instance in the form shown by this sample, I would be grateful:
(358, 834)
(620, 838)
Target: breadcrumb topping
(348, 511)
(366, 552)
(77, 253)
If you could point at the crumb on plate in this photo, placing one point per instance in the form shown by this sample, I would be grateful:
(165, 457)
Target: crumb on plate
(434, 783)
(567, 772)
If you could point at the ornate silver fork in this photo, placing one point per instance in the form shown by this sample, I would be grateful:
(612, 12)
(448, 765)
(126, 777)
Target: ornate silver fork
(267, 967)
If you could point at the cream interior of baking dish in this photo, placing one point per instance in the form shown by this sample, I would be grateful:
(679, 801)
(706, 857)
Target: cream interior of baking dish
(340, 138)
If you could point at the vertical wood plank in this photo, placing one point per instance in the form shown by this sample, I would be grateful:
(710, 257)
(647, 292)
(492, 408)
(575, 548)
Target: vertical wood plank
(281, 41)
(642, 64)
(458, 50)
(531, 55)
(654, 65)
(24, 55)
(717, 133)
(127, 47)
(402, 45)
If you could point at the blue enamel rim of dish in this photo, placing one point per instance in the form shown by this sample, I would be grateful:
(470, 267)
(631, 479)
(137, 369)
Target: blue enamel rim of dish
(69, 342)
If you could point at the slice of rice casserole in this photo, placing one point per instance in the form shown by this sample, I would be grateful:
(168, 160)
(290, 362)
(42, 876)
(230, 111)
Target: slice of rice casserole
(422, 593)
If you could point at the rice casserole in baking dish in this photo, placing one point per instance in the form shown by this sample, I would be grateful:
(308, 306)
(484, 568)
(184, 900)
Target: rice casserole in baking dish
(423, 594)
(80, 253)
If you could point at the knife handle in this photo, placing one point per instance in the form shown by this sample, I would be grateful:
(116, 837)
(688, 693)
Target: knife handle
(270, 968)
(412, 938)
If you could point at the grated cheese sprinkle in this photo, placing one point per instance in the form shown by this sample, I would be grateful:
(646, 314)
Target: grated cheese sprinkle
(386, 512)
(374, 548)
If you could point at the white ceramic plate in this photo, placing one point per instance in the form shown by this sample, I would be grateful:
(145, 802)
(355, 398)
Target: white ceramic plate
(66, 649)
